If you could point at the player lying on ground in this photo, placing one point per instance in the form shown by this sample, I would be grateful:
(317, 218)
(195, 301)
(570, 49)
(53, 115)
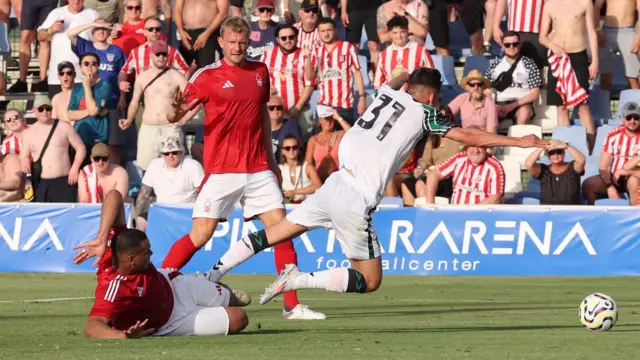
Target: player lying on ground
(370, 153)
(134, 299)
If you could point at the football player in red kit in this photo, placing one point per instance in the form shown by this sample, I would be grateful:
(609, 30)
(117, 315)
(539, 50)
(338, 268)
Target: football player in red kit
(238, 156)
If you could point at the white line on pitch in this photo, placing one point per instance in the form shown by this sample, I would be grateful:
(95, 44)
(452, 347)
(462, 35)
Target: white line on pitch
(47, 300)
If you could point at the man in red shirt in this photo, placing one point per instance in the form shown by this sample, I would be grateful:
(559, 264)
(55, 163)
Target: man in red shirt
(134, 299)
(238, 156)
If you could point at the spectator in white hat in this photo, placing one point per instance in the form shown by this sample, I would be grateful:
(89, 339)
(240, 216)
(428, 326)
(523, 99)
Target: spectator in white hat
(171, 179)
(322, 148)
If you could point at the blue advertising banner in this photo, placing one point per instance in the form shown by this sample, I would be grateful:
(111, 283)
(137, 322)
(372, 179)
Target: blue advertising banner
(40, 237)
(496, 240)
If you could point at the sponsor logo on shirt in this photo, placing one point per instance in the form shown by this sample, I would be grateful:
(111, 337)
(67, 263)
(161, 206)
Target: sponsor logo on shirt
(259, 80)
(140, 291)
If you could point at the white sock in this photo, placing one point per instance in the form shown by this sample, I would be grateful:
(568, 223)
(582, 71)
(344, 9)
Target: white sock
(236, 255)
(335, 280)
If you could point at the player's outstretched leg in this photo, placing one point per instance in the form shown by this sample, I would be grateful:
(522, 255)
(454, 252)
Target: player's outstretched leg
(365, 276)
(183, 249)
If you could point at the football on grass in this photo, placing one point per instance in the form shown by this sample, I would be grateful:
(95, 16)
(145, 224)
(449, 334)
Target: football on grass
(598, 312)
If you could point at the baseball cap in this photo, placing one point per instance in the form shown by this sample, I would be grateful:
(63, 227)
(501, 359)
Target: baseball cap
(159, 46)
(265, 4)
(309, 4)
(65, 65)
(325, 111)
(171, 143)
(100, 149)
(41, 100)
(630, 108)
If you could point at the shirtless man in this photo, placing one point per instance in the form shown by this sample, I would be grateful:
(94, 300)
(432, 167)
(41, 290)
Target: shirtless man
(150, 9)
(568, 19)
(415, 11)
(101, 176)
(12, 178)
(198, 22)
(58, 178)
(60, 101)
(15, 122)
(5, 10)
(619, 33)
(158, 97)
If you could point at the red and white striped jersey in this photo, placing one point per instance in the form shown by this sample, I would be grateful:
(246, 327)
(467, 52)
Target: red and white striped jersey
(335, 73)
(394, 60)
(525, 15)
(286, 72)
(621, 146)
(11, 144)
(473, 183)
(307, 39)
(140, 60)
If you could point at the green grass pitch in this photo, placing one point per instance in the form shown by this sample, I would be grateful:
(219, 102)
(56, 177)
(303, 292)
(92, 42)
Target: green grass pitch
(408, 318)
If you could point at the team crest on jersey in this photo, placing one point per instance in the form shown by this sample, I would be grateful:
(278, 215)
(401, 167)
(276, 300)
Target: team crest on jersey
(259, 80)
(140, 291)
(110, 57)
(207, 205)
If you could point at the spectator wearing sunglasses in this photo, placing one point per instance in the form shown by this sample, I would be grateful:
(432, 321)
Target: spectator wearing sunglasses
(53, 177)
(16, 124)
(101, 176)
(88, 107)
(516, 102)
(52, 32)
(474, 106)
(299, 177)
(280, 126)
(308, 35)
(621, 144)
(60, 101)
(171, 179)
(560, 180)
(130, 34)
(323, 147)
(262, 36)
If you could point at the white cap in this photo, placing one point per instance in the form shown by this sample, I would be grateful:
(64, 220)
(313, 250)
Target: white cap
(325, 111)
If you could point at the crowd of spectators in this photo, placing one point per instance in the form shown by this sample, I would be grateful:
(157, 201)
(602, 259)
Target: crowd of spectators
(111, 70)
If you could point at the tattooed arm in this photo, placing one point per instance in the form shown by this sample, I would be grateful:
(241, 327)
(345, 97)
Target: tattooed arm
(145, 198)
(381, 20)
(11, 177)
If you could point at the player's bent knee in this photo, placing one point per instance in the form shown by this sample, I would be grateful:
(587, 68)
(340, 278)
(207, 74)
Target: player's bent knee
(238, 319)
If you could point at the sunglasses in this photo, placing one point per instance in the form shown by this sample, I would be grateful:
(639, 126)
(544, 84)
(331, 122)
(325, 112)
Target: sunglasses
(632, 117)
(154, 29)
(162, 54)
(514, 44)
(100, 158)
(476, 84)
(289, 37)
(311, 10)
(275, 107)
(66, 73)
(265, 9)
(136, 8)
(44, 108)
(171, 153)
(12, 119)
(556, 152)
(90, 63)
(101, 28)
(289, 148)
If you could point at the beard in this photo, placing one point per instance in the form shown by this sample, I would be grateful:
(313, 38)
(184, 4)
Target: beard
(477, 96)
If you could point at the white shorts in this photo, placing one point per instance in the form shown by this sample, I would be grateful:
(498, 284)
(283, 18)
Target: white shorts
(258, 193)
(198, 307)
(150, 140)
(338, 205)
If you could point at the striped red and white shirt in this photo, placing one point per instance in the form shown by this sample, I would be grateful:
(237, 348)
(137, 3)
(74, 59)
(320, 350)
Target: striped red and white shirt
(567, 87)
(335, 73)
(286, 72)
(394, 60)
(140, 60)
(11, 144)
(525, 15)
(621, 146)
(473, 183)
(92, 184)
(307, 39)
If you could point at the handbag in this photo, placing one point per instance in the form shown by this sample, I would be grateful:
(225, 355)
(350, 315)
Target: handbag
(327, 165)
(505, 79)
(36, 167)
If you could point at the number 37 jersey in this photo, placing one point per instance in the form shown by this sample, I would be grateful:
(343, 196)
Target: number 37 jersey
(381, 140)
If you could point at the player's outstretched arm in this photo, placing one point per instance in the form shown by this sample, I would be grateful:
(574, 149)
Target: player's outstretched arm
(475, 137)
(97, 327)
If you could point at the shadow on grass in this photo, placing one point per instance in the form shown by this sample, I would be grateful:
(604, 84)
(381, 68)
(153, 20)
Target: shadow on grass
(270, 331)
(626, 328)
(429, 310)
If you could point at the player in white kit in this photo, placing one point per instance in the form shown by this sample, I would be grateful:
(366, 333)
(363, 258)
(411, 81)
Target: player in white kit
(370, 153)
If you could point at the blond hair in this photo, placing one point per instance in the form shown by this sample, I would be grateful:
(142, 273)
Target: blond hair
(235, 24)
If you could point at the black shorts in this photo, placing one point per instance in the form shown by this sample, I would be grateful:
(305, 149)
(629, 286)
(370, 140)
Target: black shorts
(445, 187)
(56, 190)
(532, 48)
(53, 90)
(357, 19)
(237, 3)
(209, 54)
(580, 65)
(471, 14)
(34, 12)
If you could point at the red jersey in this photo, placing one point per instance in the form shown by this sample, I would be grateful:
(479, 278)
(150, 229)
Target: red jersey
(393, 60)
(335, 73)
(140, 60)
(621, 146)
(473, 183)
(286, 73)
(11, 144)
(127, 299)
(307, 40)
(131, 37)
(525, 15)
(234, 98)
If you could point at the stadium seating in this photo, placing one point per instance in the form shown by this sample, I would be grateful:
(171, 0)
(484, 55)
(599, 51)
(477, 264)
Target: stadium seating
(518, 200)
(391, 202)
(533, 186)
(599, 104)
(517, 154)
(546, 116)
(459, 40)
(475, 63)
(612, 202)
(447, 69)
(313, 102)
(428, 43)
(620, 82)
(449, 92)
(591, 168)
(601, 134)
(625, 97)
(574, 135)
(364, 70)
(513, 180)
